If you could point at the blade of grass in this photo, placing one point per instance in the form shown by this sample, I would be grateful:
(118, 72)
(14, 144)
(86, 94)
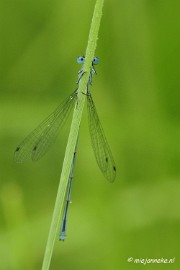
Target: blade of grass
(77, 115)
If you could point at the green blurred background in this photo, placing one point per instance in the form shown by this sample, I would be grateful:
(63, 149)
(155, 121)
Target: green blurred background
(137, 96)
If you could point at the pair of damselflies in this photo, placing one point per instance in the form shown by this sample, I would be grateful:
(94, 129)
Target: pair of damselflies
(36, 144)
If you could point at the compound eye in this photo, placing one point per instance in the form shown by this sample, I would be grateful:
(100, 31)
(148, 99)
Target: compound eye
(81, 60)
(95, 61)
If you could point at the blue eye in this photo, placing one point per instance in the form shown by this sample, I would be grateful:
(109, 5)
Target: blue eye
(81, 59)
(95, 61)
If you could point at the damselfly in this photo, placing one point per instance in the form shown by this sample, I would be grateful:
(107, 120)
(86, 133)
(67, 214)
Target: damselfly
(36, 144)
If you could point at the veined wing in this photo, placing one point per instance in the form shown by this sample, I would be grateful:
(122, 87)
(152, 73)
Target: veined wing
(36, 144)
(100, 146)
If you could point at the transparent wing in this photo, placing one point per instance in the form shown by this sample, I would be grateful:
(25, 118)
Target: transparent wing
(100, 146)
(36, 144)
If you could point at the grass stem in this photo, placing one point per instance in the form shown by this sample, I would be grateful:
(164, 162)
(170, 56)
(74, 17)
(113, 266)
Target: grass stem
(71, 144)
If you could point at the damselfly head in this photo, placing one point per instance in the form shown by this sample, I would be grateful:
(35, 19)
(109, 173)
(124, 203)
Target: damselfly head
(81, 60)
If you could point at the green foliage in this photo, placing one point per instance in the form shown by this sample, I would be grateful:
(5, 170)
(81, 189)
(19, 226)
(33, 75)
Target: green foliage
(137, 96)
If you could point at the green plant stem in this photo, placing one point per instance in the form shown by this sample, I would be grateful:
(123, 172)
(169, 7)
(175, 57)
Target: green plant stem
(77, 115)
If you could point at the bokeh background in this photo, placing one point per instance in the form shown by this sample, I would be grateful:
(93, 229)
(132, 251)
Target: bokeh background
(137, 96)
